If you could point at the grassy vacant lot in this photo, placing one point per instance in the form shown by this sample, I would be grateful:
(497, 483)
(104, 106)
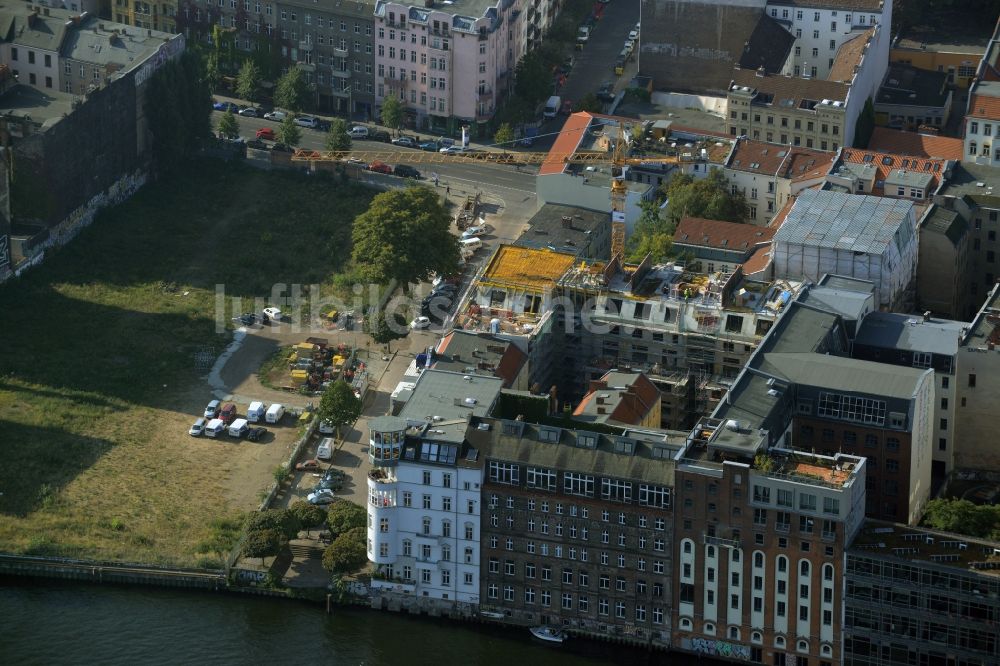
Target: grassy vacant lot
(98, 355)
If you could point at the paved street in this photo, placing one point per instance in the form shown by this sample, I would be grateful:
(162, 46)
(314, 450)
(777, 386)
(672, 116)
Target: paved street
(595, 63)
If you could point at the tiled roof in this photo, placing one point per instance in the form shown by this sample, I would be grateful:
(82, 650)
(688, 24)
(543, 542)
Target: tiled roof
(867, 5)
(789, 91)
(849, 56)
(886, 164)
(721, 235)
(758, 261)
(775, 159)
(619, 396)
(570, 136)
(913, 143)
(985, 102)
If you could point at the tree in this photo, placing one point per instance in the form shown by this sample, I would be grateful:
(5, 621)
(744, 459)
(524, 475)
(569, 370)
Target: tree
(178, 106)
(212, 74)
(309, 515)
(532, 81)
(337, 137)
(405, 235)
(339, 406)
(504, 136)
(589, 103)
(392, 113)
(347, 552)
(263, 543)
(280, 520)
(710, 197)
(865, 126)
(292, 90)
(381, 331)
(962, 516)
(247, 81)
(229, 126)
(653, 234)
(289, 133)
(345, 516)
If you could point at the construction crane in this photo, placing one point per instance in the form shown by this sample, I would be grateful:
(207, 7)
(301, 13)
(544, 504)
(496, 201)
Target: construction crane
(617, 157)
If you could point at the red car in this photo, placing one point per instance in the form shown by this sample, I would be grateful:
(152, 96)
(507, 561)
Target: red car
(228, 413)
(312, 465)
(266, 133)
(380, 167)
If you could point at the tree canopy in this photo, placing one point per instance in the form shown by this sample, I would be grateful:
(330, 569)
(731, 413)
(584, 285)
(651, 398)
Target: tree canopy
(405, 235)
(337, 137)
(865, 126)
(292, 90)
(281, 520)
(653, 234)
(963, 517)
(504, 136)
(377, 325)
(347, 552)
(288, 132)
(263, 543)
(248, 81)
(178, 106)
(308, 515)
(392, 112)
(339, 405)
(344, 516)
(229, 126)
(710, 197)
(532, 80)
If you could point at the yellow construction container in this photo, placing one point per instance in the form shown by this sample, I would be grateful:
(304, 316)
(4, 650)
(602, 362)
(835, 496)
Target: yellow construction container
(299, 375)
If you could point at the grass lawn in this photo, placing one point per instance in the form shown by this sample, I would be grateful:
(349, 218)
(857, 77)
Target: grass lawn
(99, 349)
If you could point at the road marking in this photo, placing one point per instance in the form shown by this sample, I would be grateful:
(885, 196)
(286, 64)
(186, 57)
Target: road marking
(503, 187)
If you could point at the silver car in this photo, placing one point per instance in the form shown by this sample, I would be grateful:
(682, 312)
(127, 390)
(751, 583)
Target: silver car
(197, 428)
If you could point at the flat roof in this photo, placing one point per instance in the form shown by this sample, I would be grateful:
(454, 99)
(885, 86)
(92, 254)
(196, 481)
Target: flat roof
(841, 221)
(979, 182)
(564, 228)
(43, 106)
(909, 86)
(919, 544)
(446, 400)
(479, 353)
(848, 303)
(951, 32)
(100, 43)
(890, 330)
(985, 329)
(527, 268)
(849, 375)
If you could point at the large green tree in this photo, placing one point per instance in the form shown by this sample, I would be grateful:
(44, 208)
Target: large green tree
(263, 543)
(710, 197)
(532, 80)
(281, 520)
(248, 81)
(653, 234)
(345, 516)
(392, 113)
(309, 515)
(347, 552)
(963, 517)
(504, 136)
(288, 132)
(405, 235)
(178, 106)
(292, 90)
(865, 125)
(229, 126)
(337, 137)
(339, 405)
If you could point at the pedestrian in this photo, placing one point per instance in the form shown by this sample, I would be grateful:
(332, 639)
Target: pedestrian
(435, 177)
(447, 190)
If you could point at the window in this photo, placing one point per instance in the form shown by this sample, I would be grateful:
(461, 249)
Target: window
(615, 490)
(407, 498)
(506, 473)
(578, 484)
(972, 380)
(427, 501)
(427, 479)
(544, 479)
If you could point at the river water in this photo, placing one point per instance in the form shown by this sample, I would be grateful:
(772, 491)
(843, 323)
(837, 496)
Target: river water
(55, 622)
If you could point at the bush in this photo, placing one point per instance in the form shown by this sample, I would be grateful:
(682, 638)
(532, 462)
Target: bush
(347, 552)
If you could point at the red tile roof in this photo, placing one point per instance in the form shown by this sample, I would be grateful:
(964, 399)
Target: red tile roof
(758, 261)
(570, 136)
(629, 406)
(913, 143)
(721, 235)
(778, 160)
(791, 90)
(849, 56)
(886, 163)
(981, 106)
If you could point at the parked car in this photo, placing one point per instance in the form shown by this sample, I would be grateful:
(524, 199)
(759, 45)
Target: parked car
(226, 106)
(274, 314)
(445, 289)
(239, 428)
(332, 480)
(379, 135)
(307, 121)
(326, 427)
(358, 132)
(567, 107)
(633, 35)
(256, 434)
(445, 142)
(380, 167)
(430, 146)
(212, 410)
(247, 319)
(311, 465)
(228, 413)
(322, 125)
(197, 428)
(606, 93)
(282, 148)
(325, 449)
(256, 144)
(266, 133)
(474, 230)
(277, 116)
(249, 112)
(322, 497)
(404, 141)
(420, 323)
(453, 150)
(406, 171)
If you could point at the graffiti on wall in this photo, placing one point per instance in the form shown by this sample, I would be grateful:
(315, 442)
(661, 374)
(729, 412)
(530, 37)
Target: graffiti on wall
(167, 51)
(718, 648)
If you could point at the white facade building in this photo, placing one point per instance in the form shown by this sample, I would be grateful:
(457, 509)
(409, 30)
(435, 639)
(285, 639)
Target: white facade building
(424, 494)
(982, 124)
(865, 237)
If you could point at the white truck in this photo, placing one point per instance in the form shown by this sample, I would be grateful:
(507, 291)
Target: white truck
(582, 34)
(552, 106)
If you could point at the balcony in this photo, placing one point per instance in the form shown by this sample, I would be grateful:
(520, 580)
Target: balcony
(306, 46)
(341, 73)
(306, 66)
(782, 528)
(341, 53)
(379, 475)
(720, 542)
(341, 92)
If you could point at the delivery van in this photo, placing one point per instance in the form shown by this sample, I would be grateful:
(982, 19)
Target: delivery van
(470, 244)
(239, 428)
(255, 412)
(215, 428)
(552, 106)
(325, 450)
(274, 413)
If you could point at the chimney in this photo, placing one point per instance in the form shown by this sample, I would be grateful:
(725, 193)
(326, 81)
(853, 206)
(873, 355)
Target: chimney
(927, 315)
(601, 410)
(761, 72)
(567, 222)
(600, 401)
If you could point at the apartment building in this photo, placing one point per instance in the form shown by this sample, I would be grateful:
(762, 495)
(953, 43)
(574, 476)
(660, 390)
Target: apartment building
(424, 496)
(482, 353)
(982, 123)
(887, 175)
(148, 15)
(450, 63)
(866, 237)
(922, 143)
(912, 98)
(769, 175)
(917, 596)
(621, 398)
(822, 28)
(571, 229)
(978, 389)
(577, 528)
(716, 245)
(943, 271)
(955, 50)
(973, 191)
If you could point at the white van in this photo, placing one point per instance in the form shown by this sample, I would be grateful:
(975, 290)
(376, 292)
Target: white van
(307, 121)
(470, 244)
(326, 427)
(552, 106)
(215, 428)
(238, 428)
(325, 450)
(274, 413)
(255, 412)
(358, 132)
